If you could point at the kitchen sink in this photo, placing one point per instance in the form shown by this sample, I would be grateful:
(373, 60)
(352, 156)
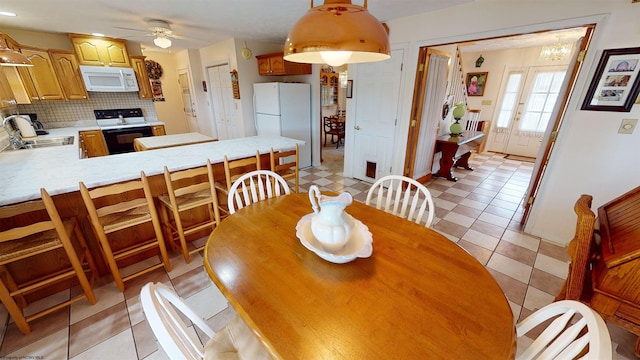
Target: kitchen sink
(46, 142)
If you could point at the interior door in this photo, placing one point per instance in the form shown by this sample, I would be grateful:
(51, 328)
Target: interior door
(223, 106)
(187, 102)
(527, 102)
(375, 122)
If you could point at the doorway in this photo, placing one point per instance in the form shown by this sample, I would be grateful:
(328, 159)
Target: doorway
(556, 112)
(333, 94)
(187, 101)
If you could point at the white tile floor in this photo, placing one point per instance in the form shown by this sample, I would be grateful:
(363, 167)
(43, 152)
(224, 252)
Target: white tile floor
(480, 212)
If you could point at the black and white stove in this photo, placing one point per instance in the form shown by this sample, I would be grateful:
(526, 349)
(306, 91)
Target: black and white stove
(120, 127)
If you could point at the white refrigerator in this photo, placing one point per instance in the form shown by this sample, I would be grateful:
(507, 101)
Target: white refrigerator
(284, 109)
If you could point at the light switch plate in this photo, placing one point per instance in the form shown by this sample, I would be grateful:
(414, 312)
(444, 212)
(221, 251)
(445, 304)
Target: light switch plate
(627, 126)
(486, 102)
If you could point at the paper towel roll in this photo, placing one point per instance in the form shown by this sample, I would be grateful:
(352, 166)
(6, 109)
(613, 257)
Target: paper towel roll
(25, 127)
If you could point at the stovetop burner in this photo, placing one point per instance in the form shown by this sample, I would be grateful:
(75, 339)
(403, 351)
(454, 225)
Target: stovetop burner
(120, 118)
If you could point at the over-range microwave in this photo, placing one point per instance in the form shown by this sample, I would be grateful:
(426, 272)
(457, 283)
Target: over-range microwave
(108, 79)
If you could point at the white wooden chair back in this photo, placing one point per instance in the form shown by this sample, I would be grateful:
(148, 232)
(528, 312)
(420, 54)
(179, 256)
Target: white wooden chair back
(159, 304)
(255, 186)
(562, 339)
(473, 120)
(403, 197)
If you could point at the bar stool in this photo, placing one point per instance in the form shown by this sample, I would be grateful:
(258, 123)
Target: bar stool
(285, 164)
(116, 208)
(233, 169)
(37, 235)
(188, 190)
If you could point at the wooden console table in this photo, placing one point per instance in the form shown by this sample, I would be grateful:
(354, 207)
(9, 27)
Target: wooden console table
(456, 151)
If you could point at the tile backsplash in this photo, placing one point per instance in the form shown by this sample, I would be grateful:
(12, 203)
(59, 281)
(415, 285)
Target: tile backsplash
(51, 112)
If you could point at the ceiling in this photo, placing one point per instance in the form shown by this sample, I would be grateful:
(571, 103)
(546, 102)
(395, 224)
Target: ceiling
(198, 23)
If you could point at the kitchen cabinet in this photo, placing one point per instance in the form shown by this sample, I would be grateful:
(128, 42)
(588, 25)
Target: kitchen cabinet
(140, 68)
(158, 130)
(7, 99)
(100, 51)
(92, 144)
(40, 80)
(275, 64)
(67, 69)
(329, 88)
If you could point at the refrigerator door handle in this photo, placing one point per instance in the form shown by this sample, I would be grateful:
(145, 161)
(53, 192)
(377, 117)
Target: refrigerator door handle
(255, 114)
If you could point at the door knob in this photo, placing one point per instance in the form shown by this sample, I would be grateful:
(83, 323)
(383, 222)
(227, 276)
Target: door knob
(357, 127)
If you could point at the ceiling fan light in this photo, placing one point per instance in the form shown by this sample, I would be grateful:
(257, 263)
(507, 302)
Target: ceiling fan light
(337, 26)
(162, 42)
(10, 57)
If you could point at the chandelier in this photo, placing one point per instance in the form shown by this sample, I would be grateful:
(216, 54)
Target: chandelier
(557, 51)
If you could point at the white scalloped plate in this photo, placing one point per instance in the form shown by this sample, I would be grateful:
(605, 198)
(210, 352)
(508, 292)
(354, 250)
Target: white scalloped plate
(360, 245)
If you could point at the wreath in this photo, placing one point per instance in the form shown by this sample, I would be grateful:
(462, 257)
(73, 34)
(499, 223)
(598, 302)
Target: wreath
(153, 69)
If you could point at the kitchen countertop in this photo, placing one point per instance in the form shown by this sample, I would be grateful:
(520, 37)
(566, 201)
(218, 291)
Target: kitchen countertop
(59, 168)
(165, 141)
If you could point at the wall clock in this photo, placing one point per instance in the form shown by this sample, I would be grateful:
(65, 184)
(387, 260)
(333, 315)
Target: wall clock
(153, 69)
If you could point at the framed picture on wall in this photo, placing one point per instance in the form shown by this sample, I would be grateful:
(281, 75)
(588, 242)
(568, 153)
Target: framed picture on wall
(476, 81)
(349, 89)
(616, 82)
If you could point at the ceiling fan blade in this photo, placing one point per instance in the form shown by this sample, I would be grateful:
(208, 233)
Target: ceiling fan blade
(126, 28)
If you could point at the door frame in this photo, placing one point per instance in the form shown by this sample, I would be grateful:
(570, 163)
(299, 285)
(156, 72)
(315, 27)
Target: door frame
(553, 127)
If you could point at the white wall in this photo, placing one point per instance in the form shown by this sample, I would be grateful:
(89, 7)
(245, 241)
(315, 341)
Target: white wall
(589, 156)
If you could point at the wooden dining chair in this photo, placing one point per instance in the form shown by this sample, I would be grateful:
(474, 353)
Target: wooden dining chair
(563, 338)
(187, 191)
(164, 311)
(34, 232)
(256, 186)
(403, 197)
(233, 169)
(328, 129)
(118, 214)
(285, 164)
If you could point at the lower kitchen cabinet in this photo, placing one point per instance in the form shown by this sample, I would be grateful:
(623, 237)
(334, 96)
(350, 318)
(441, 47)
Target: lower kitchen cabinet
(92, 144)
(158, 130)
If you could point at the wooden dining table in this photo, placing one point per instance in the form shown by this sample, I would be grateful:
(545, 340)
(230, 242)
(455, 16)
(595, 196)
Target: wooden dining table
(418, 296)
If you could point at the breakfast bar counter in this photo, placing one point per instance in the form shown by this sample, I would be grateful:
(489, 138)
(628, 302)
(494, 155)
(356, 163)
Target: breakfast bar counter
(166, 141)
(59, 169)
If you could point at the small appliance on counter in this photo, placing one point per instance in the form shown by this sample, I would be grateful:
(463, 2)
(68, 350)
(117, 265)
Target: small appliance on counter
(37, 125)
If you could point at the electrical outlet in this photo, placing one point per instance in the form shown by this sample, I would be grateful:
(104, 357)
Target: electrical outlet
(627, 126)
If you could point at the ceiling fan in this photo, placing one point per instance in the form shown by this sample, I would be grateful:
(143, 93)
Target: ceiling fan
(160, 29)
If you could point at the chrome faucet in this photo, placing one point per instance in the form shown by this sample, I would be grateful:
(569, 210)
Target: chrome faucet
(14, 135)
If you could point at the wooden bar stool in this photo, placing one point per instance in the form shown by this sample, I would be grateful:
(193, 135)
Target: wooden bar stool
(188, 190)
(285, 164)
(35, 233)
(233, 169)
(114, 210)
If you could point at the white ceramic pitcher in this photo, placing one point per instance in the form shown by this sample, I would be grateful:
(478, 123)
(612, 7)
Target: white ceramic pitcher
(330, 225)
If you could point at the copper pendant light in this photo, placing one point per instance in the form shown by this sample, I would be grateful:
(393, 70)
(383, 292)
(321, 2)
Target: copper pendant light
(10, 57)
(337, 33)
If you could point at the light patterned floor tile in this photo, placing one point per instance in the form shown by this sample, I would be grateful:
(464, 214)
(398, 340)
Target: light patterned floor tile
(480, 239)
(510, 267)
(552, 266)
(459, 219)
(54, 346)
(120, 346)
(537, 299)
(108, 295)
(523, 240)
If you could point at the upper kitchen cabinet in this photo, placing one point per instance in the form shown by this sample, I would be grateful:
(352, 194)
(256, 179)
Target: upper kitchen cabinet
(66, 66)
(40, 80)
(7, 99)
(275, 64)
(140, 68)
(100, 51)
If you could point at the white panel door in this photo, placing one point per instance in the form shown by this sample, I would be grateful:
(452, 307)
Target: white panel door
(377, 89)
(187, 102)
(222, 103)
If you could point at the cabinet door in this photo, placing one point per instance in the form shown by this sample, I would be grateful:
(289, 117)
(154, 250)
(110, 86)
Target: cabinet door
(66, 66)
(88, 52)
(92, 143)
(277, 65)
(116, 53)
(6, 95)
(264, 66)
(158, 130)
(139, 67)
(43, 75)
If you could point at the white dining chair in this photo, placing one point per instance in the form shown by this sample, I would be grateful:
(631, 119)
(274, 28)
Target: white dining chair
(159, 304)
(255, 186)
(403, 197)
(562, 339)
